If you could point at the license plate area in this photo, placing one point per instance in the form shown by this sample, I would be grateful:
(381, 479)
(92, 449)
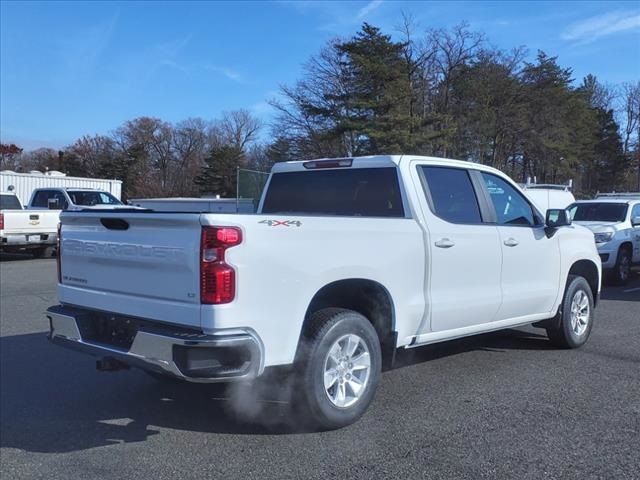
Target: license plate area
(119, 331)
(36, 238)
(114, 331)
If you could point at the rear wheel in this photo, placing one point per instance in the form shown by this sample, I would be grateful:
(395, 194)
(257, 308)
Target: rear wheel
(622, 270)
(43, 252)
(340, 365)
(577, 316)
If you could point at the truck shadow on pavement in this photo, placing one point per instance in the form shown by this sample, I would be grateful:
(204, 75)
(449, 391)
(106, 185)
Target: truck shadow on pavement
(629, 293)
(53, 400)
(16, 257)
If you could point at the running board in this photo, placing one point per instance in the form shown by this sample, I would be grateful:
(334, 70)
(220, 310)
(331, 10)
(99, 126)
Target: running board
(445, 335)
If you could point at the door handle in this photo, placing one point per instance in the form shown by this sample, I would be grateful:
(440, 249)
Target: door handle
(511, 242)
(445, 243)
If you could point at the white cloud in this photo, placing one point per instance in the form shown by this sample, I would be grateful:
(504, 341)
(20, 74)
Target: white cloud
(590, 29)
(230, 73)
(337, 17)
(367, 9)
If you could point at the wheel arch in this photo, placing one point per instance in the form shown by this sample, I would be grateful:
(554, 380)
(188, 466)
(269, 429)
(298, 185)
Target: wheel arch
(365, 296)
(626, 245)
(589, 271)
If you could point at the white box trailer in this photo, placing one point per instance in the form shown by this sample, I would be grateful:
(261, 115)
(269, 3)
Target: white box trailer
(208, 205)
(23, 184)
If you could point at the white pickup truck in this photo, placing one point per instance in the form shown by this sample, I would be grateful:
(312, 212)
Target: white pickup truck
(25, 230)
(63, 198)
(346, 261)
(614, 220)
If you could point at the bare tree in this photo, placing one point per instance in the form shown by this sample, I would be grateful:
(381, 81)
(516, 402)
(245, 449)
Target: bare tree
(40, 159)
(239, 128)
(190, 145)
(92, 152)
(149, 140)
(9, 154)
(454, 50)
(631, 114)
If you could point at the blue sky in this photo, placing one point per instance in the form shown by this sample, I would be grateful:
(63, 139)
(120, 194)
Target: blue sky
(70, 69)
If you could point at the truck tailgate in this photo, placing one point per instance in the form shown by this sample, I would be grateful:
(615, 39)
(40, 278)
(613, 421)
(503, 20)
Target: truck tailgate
(30, 221)
(133, 263)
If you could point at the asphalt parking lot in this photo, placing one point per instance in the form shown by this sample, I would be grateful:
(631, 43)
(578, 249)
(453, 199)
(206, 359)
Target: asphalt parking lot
(503, 405)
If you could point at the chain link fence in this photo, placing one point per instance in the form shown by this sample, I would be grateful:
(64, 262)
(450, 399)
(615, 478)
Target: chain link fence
(250, 185)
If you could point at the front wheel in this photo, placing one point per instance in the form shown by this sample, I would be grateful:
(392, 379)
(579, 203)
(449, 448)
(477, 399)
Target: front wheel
(622, 270)
(340, 364)
(577, 315)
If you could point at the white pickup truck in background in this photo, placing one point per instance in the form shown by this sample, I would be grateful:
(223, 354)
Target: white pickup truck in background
(346, 261)
(26, 231)
(71, 199)
(614, 220)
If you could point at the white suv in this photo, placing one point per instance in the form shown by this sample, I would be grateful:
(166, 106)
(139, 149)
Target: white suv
(615, 223)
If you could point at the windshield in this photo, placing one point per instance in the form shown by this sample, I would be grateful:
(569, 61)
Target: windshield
(89, 198)
(9, 202)
(598, 212)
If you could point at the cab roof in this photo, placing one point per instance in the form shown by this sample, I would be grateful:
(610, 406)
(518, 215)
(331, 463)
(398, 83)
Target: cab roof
(626, 200)
(378, 161)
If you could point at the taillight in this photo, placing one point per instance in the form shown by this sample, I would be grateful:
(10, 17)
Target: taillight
(59, 253)
(1, 221)
(217, 278)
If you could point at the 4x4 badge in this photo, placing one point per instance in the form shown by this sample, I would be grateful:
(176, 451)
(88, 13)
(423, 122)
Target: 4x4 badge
(283, 223)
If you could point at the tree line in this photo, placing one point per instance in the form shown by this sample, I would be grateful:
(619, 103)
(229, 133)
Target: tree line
(441, 92)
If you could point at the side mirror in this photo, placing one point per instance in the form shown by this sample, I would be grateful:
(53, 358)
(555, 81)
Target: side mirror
(635, 222)
(557, 217)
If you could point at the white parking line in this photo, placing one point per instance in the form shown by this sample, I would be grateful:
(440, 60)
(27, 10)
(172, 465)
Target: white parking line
(632, 290)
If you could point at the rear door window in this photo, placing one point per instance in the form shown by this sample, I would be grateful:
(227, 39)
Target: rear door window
(353, 192)
(453, 197)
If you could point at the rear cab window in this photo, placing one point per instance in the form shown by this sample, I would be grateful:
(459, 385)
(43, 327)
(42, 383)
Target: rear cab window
(52, 199)
(89, 198)
(351, 192)
(9, 202)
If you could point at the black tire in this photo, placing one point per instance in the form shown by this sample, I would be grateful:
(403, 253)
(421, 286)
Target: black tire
(326, 328)
(576, 334)
(43, 252)
(622, 270)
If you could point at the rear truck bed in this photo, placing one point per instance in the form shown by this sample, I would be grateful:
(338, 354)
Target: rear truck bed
(131, 294)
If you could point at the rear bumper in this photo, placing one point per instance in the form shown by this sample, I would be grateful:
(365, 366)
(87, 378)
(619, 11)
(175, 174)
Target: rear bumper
(31, 240)
(224, 356)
